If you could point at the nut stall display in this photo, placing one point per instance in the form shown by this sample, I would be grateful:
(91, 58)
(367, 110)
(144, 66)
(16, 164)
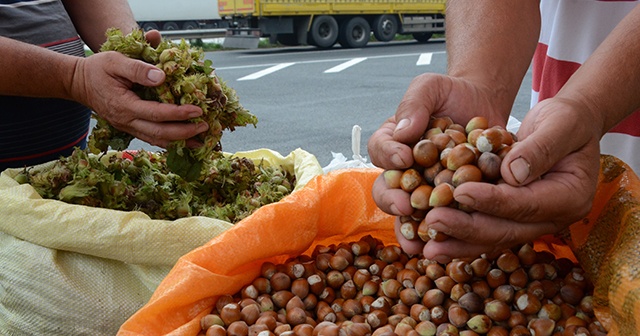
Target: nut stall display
(336, 209)
(85, 240)
(368, 288)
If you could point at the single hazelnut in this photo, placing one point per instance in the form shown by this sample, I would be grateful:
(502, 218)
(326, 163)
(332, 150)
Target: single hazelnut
(477, 122)
(425, 153)
(410, 180)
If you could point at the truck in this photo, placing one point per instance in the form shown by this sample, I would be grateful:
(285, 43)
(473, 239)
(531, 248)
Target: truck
(323, 23)
(167, 15)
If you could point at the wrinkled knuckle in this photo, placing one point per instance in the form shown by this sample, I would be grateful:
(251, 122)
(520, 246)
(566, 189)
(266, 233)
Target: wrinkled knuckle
(543, 150)
(157, 133)
(508, 239)
(154, 116)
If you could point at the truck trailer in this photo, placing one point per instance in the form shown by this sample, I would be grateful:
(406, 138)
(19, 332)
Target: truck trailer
(323, 23)
(176, 15)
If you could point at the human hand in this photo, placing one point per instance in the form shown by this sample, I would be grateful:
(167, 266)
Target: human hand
(103, 82)
(550, 178)
(428, 95)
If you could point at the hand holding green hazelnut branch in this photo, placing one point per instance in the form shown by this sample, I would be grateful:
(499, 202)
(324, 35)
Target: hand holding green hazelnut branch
(190, 79)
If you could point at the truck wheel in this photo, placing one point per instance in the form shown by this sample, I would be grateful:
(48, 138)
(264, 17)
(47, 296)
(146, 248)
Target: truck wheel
(324, 31)
(190, 25)
(385, 27)
(422, 37)
(288, 40)
(170, 26)
(147, 26)
(355, 33)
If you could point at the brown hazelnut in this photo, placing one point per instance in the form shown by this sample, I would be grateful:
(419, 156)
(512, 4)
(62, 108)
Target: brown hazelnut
(216, 330)
(441, 195)
(280, 281)
(230, 313)
(441, 122)
(420, 197)
(238, 328)
(472, 137)
(527, 303)
(425, 153)
(458, 316)
(209, 320)
(444, 176)
(442, 141)
(490, 140)
(497, 310)
(466, 173)
(508, 262)
(460, 271)
(542, 326)
(472, 302)
(433, 297)
(426, 328)
(480, 323)
(392, 178)
(410, 180)
(459, 156)
(456, 136)
(477, 122)
(489, 164)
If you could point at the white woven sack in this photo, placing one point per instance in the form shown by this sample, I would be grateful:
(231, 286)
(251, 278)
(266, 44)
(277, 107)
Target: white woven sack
(75, 270)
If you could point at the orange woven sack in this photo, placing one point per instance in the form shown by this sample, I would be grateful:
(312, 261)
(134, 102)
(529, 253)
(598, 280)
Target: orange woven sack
(338, 207)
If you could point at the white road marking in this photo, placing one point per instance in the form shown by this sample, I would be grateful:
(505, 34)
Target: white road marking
(424, 59)
(345, 65)
(319, 60)
(266, 71)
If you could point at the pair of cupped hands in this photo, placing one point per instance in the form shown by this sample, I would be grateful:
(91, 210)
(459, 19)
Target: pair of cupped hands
(550, 175)
(103, 82)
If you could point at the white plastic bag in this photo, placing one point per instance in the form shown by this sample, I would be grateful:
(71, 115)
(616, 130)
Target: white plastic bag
(340, 161)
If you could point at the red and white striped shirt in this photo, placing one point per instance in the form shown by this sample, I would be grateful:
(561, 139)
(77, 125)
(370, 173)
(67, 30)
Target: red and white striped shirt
(571, 31)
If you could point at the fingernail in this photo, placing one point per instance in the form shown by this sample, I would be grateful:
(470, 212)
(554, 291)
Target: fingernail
(155, 75)
(443, 259)
(195, 114)
(203, 126)
(465, 200)
(397, 160)
(402, 124)
(520, 169)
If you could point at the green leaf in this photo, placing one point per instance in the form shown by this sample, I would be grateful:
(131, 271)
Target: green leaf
(185, 165)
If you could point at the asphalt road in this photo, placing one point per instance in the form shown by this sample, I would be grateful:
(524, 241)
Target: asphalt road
(311, 99)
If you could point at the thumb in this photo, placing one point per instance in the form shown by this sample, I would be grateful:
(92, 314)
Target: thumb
(541, 150)
(137, 71)
(149, 75)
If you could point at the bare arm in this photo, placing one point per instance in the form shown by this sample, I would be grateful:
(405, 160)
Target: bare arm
(491, 43)
(30, 70)
(608, 83)
(92, 18)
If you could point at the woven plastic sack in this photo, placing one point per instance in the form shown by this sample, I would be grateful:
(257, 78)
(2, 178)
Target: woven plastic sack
(337, 207)
(75, 270)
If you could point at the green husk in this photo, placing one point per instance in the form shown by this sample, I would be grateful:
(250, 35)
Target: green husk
(190, 79)
(231, 189)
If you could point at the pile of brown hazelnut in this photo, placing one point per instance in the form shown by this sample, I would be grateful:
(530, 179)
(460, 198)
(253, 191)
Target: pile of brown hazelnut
(368, 288)
(448, 155)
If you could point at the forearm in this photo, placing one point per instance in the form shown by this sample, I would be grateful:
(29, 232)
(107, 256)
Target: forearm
(608, 83)
(92, 18)
(30, 70)
(491, 42)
